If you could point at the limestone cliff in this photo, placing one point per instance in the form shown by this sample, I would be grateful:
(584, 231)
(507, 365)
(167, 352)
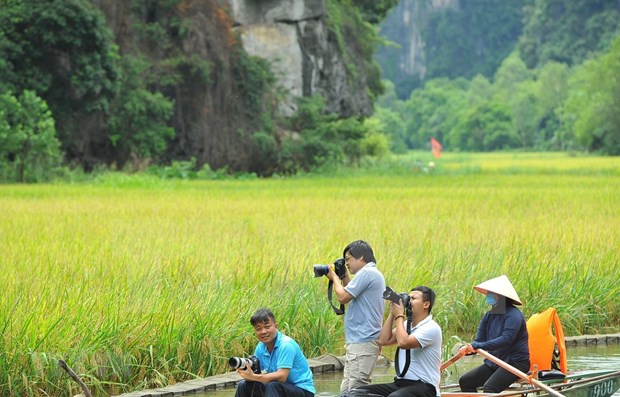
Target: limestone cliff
(403, 26)
(293, 36)
(447, 38)
(195, 60)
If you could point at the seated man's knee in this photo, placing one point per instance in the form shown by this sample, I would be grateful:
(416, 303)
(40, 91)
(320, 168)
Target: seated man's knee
(275, 389)
(244, 388)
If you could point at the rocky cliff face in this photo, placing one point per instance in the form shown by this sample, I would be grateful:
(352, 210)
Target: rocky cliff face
(213, 119)
(403, 27)
(293, 36)
(447, 38)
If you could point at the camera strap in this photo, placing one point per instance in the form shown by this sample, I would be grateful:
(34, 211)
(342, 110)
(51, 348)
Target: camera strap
(330, 288)
(407, 356)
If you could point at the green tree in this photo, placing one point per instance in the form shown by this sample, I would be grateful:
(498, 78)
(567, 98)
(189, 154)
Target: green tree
(319, 138)
(392, 126)
(479, 34)
(552, 92)
(29, 149)
(509, 75)
(485, 127)
(592, 107)
(389, 99)
(525, 113)
(553, 85)
(63, 51)
(390, 110)
(375, 10)
(376, 143)
(434, 110)
(480, 90)
(139, 118)
(567, 31)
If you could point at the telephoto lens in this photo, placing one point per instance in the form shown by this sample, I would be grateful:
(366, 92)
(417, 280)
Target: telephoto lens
(243, 363)
(237, 362)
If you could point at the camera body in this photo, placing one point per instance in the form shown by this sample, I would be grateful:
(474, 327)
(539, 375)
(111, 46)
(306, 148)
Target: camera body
(392, 296)
(243, 363)
(339, 268)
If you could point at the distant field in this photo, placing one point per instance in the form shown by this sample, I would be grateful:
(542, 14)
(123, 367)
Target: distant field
(137, 282)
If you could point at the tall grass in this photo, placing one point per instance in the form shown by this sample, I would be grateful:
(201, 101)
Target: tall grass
(138, 282)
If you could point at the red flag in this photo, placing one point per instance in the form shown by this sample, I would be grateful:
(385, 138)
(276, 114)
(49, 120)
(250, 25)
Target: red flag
(436, 148)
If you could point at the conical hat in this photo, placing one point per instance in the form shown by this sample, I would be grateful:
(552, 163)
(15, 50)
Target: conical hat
(501, 286)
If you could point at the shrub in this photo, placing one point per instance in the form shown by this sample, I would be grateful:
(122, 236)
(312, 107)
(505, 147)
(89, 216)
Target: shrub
(29, 148)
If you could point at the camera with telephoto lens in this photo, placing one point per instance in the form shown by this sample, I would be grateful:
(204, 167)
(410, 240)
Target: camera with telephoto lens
(243, 363)
(339, 268)
(395, 297)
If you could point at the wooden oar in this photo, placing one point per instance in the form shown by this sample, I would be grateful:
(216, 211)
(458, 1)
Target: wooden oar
(520, 374)
(451, 361)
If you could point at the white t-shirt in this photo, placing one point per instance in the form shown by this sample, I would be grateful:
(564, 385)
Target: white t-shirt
(426, 359)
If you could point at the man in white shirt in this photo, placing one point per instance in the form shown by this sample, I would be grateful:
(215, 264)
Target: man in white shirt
(418, 357)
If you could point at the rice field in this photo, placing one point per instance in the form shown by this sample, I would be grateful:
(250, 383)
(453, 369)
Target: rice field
(138, 282)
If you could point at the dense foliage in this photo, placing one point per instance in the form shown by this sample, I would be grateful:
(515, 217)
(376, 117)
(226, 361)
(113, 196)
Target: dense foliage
(464, 38)
(594, 101)
(551, 108)
(431, 41)
(62, 51)
(567, 31)
(539, 97)
(374, 11)
(29, 148)
(470, 40)
(172, 84)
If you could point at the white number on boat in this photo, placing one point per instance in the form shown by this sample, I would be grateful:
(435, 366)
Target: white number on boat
(604, 389)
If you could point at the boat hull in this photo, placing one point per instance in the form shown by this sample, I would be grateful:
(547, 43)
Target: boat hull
(579, 384)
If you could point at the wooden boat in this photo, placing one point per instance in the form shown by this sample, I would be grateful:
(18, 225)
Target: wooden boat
(575, 384)
(542, 344)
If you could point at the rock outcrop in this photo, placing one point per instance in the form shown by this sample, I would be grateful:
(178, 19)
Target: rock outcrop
(213, 116)
(403, 27)
(293, 36)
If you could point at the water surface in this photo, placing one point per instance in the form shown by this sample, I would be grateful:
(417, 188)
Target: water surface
(579, 358)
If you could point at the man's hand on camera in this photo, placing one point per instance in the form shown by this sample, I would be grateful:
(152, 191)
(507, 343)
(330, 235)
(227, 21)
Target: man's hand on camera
(331, 274)
(397, 309)
(247, 374)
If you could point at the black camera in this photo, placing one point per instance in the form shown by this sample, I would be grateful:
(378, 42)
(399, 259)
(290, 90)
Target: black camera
(395, 297)
(243, 363)
(339, 268)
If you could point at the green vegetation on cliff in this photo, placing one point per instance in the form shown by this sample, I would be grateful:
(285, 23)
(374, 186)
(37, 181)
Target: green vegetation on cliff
(130, 84)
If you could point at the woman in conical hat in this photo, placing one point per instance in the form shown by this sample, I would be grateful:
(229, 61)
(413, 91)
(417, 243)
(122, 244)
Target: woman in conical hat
(502, 332)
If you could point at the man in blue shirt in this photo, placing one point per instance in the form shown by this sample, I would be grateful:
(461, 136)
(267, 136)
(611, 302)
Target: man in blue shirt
(285, 370)
(364, 315)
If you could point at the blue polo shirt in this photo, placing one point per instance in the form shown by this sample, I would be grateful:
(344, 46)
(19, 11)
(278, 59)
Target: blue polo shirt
(364, 316)
(286, 354)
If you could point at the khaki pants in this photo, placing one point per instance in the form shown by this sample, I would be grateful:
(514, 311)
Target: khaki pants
(360, 360)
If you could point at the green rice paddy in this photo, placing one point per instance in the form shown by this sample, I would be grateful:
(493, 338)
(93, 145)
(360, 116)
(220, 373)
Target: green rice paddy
(138, 282)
